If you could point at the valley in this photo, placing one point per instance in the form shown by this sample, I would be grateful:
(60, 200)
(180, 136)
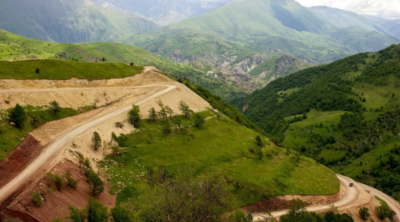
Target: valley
(199, 110)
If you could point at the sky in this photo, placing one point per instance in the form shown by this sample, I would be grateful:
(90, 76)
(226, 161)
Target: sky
(389, 9)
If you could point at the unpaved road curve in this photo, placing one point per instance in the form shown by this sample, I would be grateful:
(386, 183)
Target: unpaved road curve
(55, 147)
(354, 196)
(393, 204)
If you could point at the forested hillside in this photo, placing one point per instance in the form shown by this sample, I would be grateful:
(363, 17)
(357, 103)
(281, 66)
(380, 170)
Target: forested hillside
(345, 114)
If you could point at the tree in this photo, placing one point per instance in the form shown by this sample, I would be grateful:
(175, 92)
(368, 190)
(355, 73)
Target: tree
(187, 199)
(259, 141)
(364, 213)
(17, 116)
(132, 64)
(96, 182)
(384, 212)
(96, 139)
(55, 107)
(199, 120)
(121, 214)
(163, 113)
(167, 128)
(152, 114)
(103, 59)
(70, 181)
(76, 214)
(185, 109)
(96, 212)
(170, 112)
(298, 213)
(36, 199)
(178, 122)
(134, 115)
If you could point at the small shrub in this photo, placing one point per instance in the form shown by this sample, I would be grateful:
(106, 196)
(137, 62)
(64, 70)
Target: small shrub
(119, 125)
(96, 139)
(364, 213)
(36, 199)
(121, 214)
(70, 181)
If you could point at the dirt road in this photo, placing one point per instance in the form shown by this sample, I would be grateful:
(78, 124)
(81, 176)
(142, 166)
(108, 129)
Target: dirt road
(54, 148)
(355, 196)
(393, 204)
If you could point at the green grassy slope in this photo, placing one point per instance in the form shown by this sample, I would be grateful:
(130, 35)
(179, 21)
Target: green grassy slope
(14, 47)
(55, 69)
(69, 21)
(221, 145)
(345, 114)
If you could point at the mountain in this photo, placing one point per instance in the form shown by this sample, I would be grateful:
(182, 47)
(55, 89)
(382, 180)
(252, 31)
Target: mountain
(391, 27)
(238, 37)
(345, 114)
(165, 12)
(343, 19)
(69, 20)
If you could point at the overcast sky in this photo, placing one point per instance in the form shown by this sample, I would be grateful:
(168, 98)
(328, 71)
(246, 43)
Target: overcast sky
(389, 9)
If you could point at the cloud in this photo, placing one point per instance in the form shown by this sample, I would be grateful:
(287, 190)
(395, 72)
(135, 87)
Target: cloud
(389, 9)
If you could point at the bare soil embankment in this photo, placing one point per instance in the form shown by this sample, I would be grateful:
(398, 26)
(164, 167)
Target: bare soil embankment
(19, 158)
(55, 203)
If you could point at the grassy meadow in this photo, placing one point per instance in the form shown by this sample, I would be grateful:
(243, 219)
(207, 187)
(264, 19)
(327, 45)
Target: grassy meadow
(222, 146)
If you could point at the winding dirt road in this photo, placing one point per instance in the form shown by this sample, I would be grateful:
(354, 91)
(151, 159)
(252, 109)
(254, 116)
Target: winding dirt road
(355, 196)
(56, 146)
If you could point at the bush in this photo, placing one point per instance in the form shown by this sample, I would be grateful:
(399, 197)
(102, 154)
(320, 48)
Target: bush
(55, 107)
(96, 182)
(384, 212)
(17, 116)
(77, 215)
(134, 115)
(152, 114)
(364, 213)
(199, 120)
(96, 212)
(70, 181)
(36, 199)
(96, 139)
(57, 179)
(185, 109)
(121, 214)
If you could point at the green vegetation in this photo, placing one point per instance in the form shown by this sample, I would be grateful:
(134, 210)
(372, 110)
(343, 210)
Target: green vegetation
(60, 70)
(14, 47)
(36, 199)
(96, 140)
(217, 103)
(384, 210)
(134, 116)
(11, 136)
(184, 199)
(221, 145)
(345, 115)
(94, 212)
(298, 213)
(121, 214)
(17, 116)
(364, 213)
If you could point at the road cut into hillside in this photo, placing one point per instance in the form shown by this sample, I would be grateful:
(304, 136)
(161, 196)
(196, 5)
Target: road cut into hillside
(356, 196)
(58, 136)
